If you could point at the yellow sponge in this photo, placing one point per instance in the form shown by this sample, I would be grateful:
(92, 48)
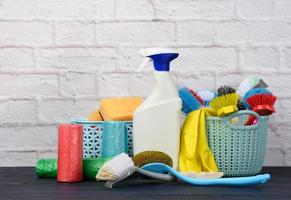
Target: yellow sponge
(95, 116)
(119, 109)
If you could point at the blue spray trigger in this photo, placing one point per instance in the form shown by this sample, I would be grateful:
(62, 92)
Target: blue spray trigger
(162, 61)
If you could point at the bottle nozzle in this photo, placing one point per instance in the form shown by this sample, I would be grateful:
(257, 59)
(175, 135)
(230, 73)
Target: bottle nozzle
(161, 57)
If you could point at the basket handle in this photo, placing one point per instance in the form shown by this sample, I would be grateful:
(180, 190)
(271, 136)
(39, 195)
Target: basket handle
(242, 112)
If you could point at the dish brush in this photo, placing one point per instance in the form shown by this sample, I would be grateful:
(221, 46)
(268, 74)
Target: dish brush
(223, 90)
(196, 95)
(253, 92)
(247, 84)
(206, 95)
(225, 105)
(121, 167)
(263, 104)
(189, 102)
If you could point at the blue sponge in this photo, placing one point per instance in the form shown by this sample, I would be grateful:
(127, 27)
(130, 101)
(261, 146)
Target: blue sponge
(189, 102)
(253, 92)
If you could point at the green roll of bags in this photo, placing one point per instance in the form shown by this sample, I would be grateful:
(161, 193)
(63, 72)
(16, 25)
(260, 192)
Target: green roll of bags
(48, 168)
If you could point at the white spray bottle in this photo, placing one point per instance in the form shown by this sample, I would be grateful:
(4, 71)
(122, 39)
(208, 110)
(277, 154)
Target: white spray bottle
(156, 123)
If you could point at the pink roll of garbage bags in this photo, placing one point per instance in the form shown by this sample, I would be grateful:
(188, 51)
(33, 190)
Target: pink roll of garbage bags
(70, 153)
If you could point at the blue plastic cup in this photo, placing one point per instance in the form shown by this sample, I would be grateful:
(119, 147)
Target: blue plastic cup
(114, 138)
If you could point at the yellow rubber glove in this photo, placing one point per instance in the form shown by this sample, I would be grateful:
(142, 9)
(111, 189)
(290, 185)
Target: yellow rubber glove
(195, 154)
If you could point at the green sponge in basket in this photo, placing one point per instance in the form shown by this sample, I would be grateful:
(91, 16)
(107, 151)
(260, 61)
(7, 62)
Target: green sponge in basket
(48, 168)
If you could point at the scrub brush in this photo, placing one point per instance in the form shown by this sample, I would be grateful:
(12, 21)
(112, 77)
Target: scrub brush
(223, 90)
(247, 84)
(196, 95)
(253, 92)
(263, 104)
(206, 95)
(122, 166)
(225, 105)
(189, 102)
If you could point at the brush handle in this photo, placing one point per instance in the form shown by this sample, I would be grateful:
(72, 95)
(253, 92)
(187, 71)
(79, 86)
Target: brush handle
(235, 181)
(158, 176)
(154, 175)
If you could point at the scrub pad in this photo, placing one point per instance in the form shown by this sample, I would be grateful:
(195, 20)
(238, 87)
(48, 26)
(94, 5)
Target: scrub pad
(119, 109)
(95, 116)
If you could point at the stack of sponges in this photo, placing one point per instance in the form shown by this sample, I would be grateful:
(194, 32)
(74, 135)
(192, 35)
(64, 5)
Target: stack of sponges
(116, 109)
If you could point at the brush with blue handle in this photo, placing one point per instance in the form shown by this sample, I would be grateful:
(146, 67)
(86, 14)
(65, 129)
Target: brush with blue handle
(233, 181)
(189, 101)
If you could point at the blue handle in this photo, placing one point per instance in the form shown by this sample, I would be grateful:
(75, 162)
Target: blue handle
(237, 181)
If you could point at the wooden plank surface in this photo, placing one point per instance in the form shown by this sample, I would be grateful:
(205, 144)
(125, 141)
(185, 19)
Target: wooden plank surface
(22, 183)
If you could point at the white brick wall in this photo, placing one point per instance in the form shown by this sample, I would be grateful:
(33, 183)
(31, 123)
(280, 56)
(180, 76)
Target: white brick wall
(57, 58)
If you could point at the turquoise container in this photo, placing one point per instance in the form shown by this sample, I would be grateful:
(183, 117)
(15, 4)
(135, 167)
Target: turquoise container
(238, 150)
(114, 139)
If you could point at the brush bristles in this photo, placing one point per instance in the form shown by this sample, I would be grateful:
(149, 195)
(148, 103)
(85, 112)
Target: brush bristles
(224, 101)
(147, 157)
(244, 87)
(117, 168)
(189, 102)
(264, 101)
(197, 97)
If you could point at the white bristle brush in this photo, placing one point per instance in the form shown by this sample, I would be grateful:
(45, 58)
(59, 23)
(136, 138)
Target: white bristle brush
(121, 167)
(247, 85)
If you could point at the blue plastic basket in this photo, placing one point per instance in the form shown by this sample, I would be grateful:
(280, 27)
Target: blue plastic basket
(92, 137)
(238, 150)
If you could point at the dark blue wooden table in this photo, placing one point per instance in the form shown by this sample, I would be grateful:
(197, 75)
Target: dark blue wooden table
(22, 183)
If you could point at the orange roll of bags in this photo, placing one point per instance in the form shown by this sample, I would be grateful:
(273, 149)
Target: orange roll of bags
(70, 153)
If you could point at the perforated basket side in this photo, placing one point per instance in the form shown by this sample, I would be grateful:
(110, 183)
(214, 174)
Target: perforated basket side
(92, 140)
(92, 137)
(129, 127)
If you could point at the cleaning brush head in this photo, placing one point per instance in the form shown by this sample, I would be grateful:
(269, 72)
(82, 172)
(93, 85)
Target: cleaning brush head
(197, 96)
(225, 105)
(254, 80)
(206, 95)
(247, 84)
(224, 90)
(118, 168)
(147, 157)
(122, 166)
(189, 102)
(263, 104)
(253, 92)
